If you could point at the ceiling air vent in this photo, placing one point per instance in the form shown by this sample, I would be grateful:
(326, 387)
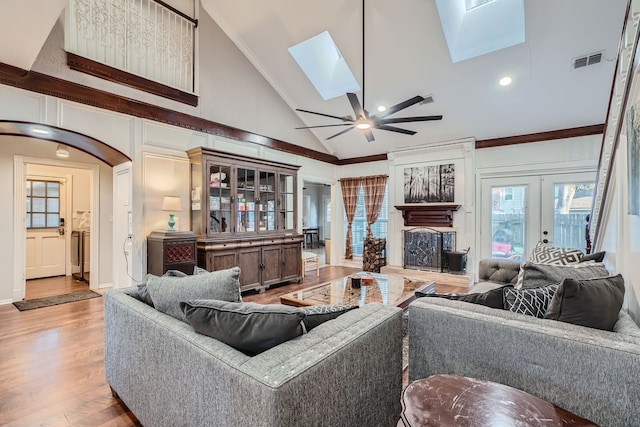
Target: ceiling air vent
(584, 61)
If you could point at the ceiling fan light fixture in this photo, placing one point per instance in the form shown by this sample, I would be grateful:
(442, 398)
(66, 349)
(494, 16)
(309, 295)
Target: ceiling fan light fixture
(364, 124)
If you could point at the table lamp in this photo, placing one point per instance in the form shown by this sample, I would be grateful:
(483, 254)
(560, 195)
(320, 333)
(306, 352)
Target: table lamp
(171, 204)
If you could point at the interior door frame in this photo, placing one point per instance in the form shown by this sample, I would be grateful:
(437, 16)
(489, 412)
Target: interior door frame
(19, 216)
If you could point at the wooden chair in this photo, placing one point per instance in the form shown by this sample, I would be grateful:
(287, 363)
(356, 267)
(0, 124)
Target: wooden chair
(309, 259)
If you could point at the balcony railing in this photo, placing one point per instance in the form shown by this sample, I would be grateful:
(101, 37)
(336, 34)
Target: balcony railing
(143, 37)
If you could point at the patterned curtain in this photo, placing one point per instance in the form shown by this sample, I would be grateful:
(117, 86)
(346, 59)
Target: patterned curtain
(349, 187)
(373, 187)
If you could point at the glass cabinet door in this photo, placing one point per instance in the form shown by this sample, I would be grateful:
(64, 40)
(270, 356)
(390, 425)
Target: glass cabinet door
(267, 202)
(245, 200)
(286, 202)
(219, 199)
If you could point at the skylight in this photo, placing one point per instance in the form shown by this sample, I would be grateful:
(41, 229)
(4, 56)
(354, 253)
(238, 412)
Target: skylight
(321, 61)
(476, 31)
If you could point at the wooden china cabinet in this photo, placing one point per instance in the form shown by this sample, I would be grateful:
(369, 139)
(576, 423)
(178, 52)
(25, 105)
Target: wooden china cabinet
(244, 212)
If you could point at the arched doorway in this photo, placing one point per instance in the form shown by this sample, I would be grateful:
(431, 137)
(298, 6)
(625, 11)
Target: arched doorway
(35, 145)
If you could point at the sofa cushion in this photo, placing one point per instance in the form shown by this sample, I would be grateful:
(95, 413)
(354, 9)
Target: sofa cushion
(247, 327)
(318, 314)
(529, 301)
(546, 254)
(493, 298)
(534, 275)
(594, 303)
(167, 292)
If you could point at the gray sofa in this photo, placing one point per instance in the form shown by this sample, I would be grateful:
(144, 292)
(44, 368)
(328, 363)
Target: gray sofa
(589, 372)
(345, 372)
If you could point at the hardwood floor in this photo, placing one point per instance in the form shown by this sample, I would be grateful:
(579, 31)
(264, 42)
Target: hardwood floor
(50, 286)
(51, 361)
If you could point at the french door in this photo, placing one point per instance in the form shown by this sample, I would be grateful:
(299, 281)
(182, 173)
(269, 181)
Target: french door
(518, 212)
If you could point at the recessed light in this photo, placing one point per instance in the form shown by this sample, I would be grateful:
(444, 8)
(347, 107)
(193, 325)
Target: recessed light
(381, 108)
(40, 131)
(505, 81)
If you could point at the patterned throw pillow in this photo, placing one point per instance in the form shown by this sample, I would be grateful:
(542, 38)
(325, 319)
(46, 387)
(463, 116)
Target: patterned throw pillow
(530, 301)
(545, 254)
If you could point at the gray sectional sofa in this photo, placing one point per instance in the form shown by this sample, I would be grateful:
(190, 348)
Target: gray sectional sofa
(590, 372)
(345, 372)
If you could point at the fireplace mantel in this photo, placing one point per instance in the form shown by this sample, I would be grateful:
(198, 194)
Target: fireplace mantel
(428, 215)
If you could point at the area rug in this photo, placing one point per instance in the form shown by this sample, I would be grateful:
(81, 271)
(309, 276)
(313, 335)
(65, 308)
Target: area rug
(31, 304)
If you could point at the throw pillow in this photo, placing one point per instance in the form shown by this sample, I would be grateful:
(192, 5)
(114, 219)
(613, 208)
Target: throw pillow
(167, 292)
(595, 257)
(545, 254)
(533, 275)
(493, 298)
(532, 301)
(318, 314)
(594, 303)
(143, 292)
(247, 327)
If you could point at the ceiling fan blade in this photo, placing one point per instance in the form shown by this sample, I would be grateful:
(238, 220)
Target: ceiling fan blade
(400, 106)
(395, 129)
(369, 134)
(340, 133)
(355, 104)
(325, 126)
(408, 119)
(344, 119)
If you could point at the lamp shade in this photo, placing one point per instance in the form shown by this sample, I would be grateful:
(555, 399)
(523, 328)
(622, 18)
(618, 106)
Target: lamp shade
(173, 204)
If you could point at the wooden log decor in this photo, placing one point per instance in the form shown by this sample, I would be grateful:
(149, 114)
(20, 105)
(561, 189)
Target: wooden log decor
(428, 215)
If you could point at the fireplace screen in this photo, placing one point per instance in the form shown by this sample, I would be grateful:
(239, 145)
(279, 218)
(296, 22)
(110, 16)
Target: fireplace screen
(424, 249)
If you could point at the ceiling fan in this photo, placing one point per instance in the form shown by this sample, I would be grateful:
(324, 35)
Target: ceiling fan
(365, 121)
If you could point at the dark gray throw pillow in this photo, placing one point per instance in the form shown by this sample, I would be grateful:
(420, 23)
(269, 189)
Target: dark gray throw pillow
(493, 298)
(595, 257)
(318, 314)
(167, 292)
(529, 301)
(594, 303)
(247, 327)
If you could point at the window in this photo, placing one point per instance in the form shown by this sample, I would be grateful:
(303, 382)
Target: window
(359, 226)
(43, 204)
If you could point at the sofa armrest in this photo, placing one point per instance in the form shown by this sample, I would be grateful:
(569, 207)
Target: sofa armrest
(498, 270)
(586, 371)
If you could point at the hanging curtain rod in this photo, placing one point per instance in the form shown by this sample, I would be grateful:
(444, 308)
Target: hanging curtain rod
(367, 176)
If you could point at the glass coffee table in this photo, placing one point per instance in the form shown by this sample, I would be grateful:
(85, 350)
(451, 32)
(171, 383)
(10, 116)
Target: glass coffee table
(388, 289)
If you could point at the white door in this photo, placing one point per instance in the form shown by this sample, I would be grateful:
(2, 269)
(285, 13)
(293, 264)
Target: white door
(518, 212)
(45, 222)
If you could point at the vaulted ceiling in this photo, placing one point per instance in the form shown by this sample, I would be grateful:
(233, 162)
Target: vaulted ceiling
(406, 55)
